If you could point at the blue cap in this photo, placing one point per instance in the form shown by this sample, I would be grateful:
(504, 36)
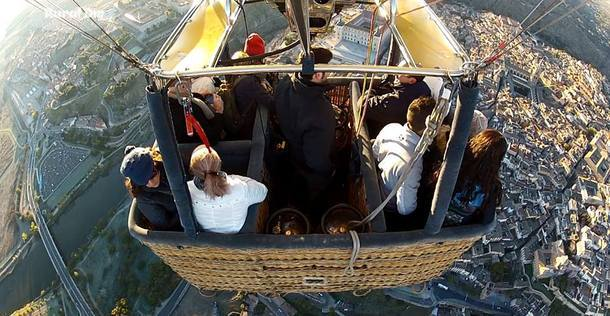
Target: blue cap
(137, 165)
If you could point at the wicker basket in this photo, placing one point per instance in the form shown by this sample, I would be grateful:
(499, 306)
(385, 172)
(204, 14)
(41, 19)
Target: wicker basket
(307, 263)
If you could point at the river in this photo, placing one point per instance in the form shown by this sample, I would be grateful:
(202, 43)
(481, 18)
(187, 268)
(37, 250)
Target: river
(35, 272)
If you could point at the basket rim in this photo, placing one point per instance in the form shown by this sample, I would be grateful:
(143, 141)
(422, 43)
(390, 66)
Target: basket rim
(254, 241)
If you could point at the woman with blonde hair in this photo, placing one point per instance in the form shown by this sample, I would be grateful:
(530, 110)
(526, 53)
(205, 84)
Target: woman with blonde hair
(220, 201)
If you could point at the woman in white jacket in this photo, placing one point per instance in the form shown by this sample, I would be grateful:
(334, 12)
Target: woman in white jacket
(220, 201)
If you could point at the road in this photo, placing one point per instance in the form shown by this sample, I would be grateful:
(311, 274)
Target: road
(434, 294)
(323, 300)
(49, 244)
(172, 302)
(277, 306)
(453, 297)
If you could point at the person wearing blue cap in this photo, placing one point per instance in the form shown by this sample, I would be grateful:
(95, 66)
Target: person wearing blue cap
(145, 181)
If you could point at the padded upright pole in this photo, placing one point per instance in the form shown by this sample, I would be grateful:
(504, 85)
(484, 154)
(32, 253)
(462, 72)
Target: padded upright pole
(450, 169)
(163, 127)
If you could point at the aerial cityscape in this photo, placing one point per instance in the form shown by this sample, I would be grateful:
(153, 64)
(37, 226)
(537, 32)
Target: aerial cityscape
(70, 107)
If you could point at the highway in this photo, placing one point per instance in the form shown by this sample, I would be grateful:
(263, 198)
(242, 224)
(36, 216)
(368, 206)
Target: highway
(172, 302)
(276, 305)
(49, 244)
(450, 296)
(436, 293)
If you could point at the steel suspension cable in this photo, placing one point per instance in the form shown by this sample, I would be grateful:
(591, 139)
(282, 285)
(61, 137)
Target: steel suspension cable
(561, 17)
(132, 57)
(501, 49)
(42, 7)
(38, 4)
(243, 13)
(508, 48)
(531, 12)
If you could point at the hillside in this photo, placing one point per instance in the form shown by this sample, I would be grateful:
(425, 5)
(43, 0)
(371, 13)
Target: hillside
(584, 34)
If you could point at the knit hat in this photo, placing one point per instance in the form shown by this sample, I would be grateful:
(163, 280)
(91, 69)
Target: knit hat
(255, 45)
(137, 165)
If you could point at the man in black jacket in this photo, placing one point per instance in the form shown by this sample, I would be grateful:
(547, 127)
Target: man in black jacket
(251, 91)
(391, 107)
(306, 119)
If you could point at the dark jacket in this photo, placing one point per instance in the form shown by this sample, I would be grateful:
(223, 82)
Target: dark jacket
(157, 205)
(250, 94)
(306, 119)
(392, 107)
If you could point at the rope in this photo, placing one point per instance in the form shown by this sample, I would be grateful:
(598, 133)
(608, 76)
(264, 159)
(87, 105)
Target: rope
(201, 292)
(369, 47)
(364, 293)
(370, 89)
(349, 270)
(239, 295)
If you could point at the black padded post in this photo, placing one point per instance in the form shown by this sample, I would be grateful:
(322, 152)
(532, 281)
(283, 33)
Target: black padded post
(163, 127)
(458, 139)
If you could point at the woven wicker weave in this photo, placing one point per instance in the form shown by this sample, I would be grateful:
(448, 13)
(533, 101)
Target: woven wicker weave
(309, 270)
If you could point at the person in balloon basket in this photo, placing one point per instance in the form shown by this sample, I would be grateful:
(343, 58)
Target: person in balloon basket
(220, 201)
(145, 180)
(307, 122)
(478, 189)
(391, 106)
(394, 150)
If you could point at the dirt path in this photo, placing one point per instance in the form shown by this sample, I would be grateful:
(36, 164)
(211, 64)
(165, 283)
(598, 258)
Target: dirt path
(9, 232)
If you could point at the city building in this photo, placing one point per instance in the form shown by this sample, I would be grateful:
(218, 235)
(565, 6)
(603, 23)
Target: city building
(589, 192)
(598, 158)
(550, 262)
(143, 21)
(358, 29)
(180, 6)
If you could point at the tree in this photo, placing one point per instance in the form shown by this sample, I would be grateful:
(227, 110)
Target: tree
(24, 236)
(497, 271)
(121, 308)
(33, 228)
(563, 282)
